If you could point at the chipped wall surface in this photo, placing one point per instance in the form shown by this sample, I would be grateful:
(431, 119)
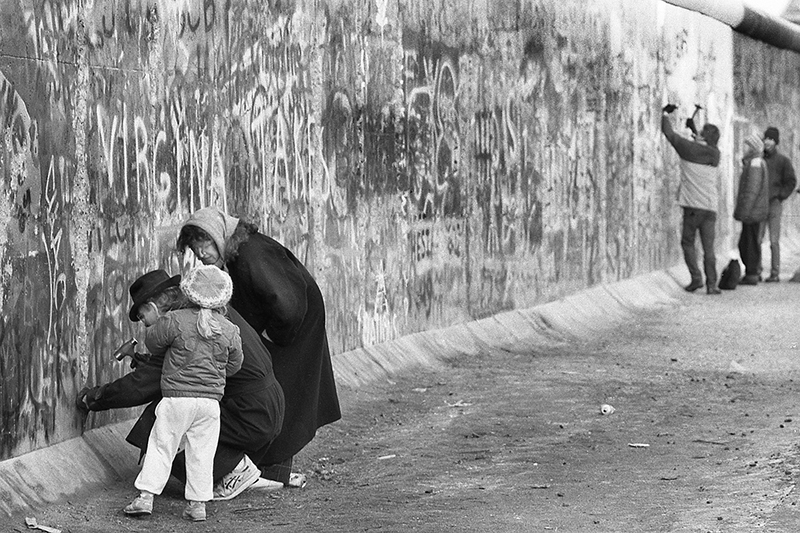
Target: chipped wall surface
(432, 162)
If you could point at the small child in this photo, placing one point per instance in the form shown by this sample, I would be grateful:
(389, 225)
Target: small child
(201, 347)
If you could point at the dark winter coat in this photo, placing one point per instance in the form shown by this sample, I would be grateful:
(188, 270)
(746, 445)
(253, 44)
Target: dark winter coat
(782, 179)
(752, 200)
(276, 295)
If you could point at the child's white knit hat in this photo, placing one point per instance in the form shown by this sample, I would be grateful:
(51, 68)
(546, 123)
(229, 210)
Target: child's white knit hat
(755, 142)
(207, 286)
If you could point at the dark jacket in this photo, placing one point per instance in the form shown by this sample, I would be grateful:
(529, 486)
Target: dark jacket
(782, 179)
(275, 293)
(688, 149)
(752, 202)
(251, 410)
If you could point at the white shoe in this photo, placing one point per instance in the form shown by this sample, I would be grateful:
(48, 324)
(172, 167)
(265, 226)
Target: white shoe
(140, 506)
(195, 511)
(237, 481)
(266, 484)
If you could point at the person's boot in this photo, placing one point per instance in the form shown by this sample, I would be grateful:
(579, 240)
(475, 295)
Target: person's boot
(693, 286)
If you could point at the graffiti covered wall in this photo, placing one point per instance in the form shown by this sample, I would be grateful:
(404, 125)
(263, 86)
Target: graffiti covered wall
(432, 162)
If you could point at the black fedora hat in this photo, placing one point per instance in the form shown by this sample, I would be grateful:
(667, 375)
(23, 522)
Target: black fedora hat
(147, 286)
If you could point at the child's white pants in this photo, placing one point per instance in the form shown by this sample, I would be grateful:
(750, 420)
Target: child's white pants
(193, 422)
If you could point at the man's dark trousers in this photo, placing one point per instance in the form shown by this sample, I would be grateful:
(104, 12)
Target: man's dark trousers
(705, 222)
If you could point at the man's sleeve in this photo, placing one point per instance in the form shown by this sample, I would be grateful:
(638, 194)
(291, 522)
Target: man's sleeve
(681, 144)
(687, 149)
(141, 386)
(666, 127)
(788, 180)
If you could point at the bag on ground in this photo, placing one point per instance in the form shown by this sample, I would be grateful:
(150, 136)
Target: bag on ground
(730, 276)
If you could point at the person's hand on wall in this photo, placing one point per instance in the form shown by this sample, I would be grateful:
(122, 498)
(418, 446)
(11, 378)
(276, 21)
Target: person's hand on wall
(80, 401)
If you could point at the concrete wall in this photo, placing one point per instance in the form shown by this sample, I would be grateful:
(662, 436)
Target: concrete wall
(432, 161)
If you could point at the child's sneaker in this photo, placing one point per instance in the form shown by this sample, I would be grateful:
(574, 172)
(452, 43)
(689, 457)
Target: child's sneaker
(141, 505)
(195, 511)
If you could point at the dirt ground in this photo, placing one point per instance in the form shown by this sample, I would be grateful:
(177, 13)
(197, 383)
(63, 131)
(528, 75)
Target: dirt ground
(514, 441)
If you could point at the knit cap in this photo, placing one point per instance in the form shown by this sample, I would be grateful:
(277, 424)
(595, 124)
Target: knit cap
(754, 143)
(209, 288)
(773, 133)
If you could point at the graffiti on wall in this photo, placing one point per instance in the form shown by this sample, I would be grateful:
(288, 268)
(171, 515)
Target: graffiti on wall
(426, 179)
(36, 367)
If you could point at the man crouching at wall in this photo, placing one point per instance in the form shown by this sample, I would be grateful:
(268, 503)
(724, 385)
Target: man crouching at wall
(698, 195)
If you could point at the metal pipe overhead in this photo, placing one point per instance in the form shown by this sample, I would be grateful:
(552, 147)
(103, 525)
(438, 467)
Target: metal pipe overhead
(747, 20)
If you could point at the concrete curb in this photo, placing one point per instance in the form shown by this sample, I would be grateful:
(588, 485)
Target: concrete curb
(58, 471)
(575, 316)
(102, 455)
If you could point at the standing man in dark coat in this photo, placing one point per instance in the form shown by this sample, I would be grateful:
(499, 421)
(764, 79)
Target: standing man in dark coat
(280, 299)
(698, 196)
(782, 182)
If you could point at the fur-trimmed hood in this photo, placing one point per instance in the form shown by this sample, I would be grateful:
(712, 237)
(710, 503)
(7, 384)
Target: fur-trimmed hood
(240, 235)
